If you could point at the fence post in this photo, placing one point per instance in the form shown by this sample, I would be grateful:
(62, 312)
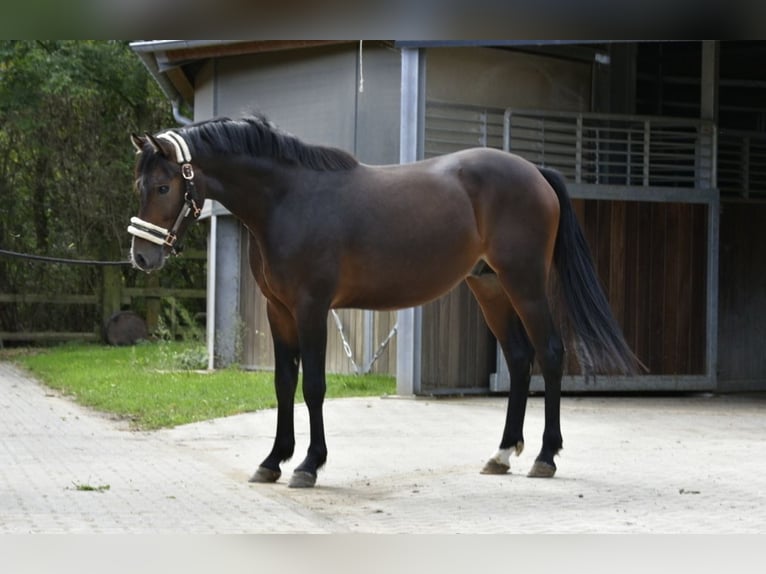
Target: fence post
(111, 292)
(153, 304)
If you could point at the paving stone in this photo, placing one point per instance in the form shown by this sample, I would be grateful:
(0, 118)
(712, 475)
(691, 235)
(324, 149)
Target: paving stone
(692, 464)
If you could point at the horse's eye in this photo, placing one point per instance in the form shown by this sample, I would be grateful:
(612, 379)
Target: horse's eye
(163, 189)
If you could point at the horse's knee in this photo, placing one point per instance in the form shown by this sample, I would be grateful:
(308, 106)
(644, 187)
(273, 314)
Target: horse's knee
(314, 393)
(520, 359)
(520, 353)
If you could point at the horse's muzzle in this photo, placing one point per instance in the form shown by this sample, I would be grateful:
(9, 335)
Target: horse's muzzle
(146, 256)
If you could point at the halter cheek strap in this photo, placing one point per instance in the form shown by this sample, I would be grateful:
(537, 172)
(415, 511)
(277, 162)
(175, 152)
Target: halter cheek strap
(160, 235)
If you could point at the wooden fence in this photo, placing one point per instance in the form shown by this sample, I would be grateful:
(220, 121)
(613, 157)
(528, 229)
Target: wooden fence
(112, 296)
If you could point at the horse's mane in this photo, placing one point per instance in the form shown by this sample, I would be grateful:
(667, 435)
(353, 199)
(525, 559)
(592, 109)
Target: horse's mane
(256, 135)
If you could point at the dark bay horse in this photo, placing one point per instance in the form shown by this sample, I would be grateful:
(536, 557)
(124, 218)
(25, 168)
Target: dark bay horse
(328, 232)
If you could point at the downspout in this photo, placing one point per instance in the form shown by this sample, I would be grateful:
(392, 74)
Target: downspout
(149, 61)
(177, 116)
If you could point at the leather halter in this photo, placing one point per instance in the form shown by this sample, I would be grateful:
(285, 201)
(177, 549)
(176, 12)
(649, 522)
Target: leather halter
(191, 207)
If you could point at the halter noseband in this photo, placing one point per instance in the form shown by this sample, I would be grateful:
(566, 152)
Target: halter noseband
(159, 235)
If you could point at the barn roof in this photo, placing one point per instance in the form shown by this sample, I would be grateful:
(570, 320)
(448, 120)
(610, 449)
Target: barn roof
(173, 63)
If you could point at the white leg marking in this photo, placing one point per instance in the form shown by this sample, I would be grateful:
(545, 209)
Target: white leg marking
(503, 456)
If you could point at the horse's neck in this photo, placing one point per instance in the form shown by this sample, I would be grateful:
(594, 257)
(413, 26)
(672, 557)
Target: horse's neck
(245, 188)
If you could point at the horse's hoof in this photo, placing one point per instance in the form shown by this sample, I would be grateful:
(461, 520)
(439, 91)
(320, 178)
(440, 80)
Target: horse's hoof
(541, 470)
(302, 479)
(494, 467)
(264, 474)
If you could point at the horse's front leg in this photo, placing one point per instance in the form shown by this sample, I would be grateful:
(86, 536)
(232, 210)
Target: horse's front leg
(286, 362)
(312, 330)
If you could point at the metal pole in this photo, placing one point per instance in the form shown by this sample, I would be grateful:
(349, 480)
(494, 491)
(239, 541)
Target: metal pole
(211, 279)
(408, 348)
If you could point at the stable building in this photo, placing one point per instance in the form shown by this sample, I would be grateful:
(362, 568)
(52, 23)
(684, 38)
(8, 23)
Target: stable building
(662, 143)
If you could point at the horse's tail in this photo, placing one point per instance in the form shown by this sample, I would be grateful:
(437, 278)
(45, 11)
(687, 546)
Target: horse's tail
(600, 344)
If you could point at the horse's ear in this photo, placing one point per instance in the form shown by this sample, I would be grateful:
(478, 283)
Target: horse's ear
(154, 142)
(138, 142)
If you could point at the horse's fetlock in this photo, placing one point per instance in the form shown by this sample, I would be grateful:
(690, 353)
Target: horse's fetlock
(553, 442)
(320, 456)
(286, 449)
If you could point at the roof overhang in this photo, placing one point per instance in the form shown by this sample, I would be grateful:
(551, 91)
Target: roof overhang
(170, 62)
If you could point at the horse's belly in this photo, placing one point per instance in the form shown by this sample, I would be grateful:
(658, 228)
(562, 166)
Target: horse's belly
(416, 241)
(411, 281)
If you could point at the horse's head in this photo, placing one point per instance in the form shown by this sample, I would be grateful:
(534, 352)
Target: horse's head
(169, 198)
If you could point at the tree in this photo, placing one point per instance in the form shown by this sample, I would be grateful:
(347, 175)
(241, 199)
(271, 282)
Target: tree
(66, 164)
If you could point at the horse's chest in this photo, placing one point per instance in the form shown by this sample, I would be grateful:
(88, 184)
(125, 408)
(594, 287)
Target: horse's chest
(286, 269)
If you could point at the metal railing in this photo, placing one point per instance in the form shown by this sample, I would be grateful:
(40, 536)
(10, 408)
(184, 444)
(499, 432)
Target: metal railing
(742, 164)
(614, 149)
(588, 148)
(452, 127)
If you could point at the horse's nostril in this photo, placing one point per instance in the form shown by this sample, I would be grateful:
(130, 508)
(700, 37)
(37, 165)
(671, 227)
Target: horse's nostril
(140, 261)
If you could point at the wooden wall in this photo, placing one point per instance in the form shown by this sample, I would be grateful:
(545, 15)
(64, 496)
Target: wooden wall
(458, 348)
(742, 298)
(652, 262)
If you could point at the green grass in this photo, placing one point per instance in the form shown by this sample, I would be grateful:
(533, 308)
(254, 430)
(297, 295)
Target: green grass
(144, 385)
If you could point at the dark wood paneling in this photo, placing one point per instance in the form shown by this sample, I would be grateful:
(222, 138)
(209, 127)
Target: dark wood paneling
(651, 260)
(698, 322)
(617, 265)
(457, 346)
(672, 307)
(742, 297)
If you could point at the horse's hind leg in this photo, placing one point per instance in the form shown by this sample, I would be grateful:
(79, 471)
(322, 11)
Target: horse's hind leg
(550, 351)
(505, 324)
(524, 280)
(535, 313)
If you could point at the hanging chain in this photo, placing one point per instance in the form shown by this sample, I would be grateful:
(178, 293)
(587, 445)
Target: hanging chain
(349, 352)
(346, 345)
(382, 347)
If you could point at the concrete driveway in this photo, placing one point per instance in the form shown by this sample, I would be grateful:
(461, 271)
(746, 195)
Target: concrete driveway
(691, 464)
